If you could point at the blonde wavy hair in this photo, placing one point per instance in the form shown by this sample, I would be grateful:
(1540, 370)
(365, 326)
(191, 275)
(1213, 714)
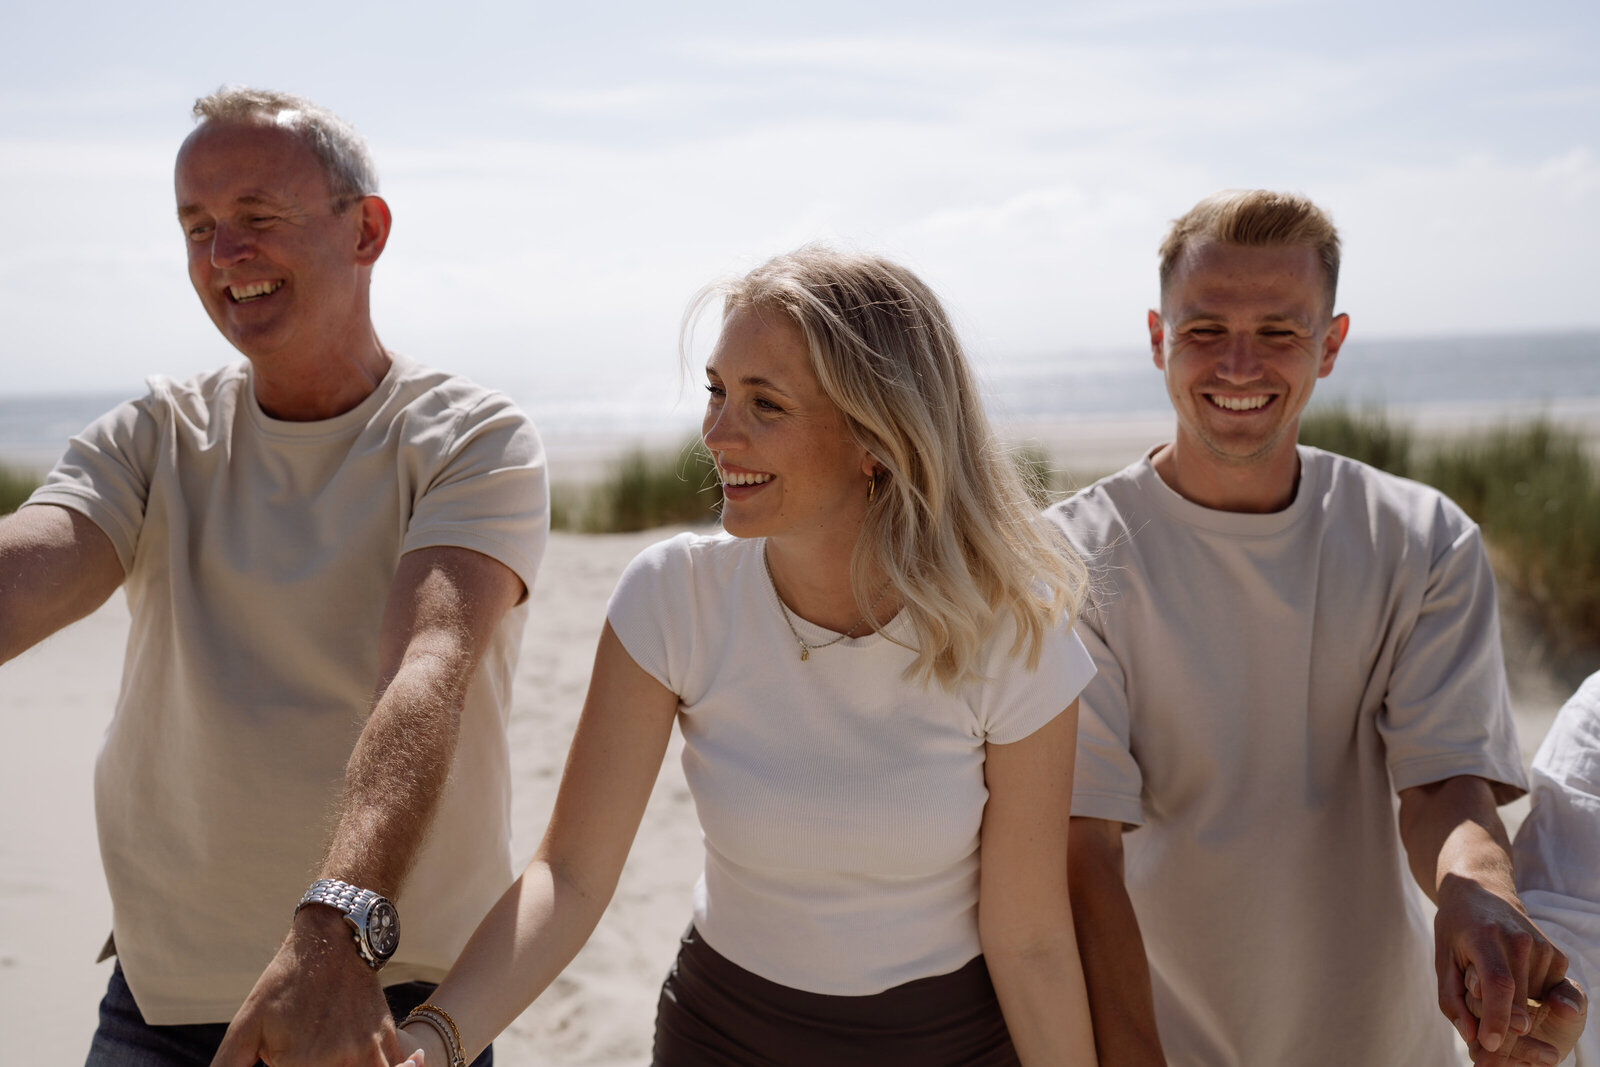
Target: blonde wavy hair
(950, 521)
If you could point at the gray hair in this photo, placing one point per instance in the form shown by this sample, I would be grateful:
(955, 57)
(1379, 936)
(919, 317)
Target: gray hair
(338, 147)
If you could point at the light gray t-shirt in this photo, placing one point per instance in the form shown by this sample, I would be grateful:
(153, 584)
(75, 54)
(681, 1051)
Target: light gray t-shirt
(259, 555)
(840, 802)
(1265, 685)
(1557, 851)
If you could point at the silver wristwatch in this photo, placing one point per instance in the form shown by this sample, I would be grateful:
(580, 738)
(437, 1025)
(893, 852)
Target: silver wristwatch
(373, 918)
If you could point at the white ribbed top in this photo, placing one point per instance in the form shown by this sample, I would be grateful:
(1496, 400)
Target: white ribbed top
(840, 803)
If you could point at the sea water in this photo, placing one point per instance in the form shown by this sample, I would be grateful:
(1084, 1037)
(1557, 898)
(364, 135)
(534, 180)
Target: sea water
(1514, 373)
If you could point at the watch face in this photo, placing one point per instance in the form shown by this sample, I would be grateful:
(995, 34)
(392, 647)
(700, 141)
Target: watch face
(383, 929)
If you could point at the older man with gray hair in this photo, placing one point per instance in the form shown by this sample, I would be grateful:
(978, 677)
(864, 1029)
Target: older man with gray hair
(303, 798)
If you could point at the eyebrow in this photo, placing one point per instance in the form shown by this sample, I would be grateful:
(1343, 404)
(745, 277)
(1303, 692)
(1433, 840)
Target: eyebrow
(1206, 314)
(755, 381)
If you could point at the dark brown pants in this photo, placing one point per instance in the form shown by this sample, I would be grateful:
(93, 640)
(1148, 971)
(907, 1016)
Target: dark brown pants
(714, 1013)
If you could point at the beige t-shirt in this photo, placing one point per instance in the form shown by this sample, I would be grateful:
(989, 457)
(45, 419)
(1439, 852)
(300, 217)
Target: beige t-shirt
(1265, 685)
(841, 804)
(259, 555)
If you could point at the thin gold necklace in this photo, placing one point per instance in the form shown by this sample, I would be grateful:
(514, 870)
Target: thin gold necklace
(805, 649)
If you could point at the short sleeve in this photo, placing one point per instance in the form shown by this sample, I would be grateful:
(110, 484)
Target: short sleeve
(106, 470)
(490, 494)
(1447, 711)
(1558, 847)
(1013, 701)
(1106, 781)
(651, 610)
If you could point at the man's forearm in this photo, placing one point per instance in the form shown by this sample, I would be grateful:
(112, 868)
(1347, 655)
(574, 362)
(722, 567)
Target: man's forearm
(1460, 854)
(1111, 948)
(396, 774)
(1451, 829)
(440, 617)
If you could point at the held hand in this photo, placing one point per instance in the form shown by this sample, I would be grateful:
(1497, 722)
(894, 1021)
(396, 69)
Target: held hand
(316, 1004)
(419, 1043)
(1510, 957)
(1556, 1022)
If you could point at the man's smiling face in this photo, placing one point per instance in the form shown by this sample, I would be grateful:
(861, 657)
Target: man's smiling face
(273, 261)
(1242, 336)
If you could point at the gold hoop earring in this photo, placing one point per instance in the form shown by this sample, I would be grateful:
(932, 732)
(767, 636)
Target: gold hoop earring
(872, 485)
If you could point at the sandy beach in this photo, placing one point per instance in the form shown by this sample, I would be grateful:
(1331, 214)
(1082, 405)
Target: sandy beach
(54, 914)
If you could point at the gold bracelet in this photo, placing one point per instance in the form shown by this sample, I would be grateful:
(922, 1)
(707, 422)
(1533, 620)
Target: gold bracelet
(439, 1019)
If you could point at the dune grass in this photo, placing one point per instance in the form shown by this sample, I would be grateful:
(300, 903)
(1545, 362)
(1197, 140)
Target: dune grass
(1365, 434)
(1534, 490)
(15, 486)
(642, 490)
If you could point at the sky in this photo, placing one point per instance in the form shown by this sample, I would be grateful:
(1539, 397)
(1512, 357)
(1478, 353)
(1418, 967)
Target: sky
(564, 177)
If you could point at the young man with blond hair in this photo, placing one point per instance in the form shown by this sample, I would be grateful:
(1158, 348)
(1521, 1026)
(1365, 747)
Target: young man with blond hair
(1300, 712)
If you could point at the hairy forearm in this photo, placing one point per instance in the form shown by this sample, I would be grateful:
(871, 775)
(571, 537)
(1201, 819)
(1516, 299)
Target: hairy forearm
(1114, 965)
(397, 772)
(1452, 830)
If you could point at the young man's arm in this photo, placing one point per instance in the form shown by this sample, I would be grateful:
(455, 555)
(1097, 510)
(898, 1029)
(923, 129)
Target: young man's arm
(1461, 857)
(1112, 950)
(318, 1001)
(56, 566)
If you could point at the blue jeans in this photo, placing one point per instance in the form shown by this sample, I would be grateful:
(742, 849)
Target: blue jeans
(124, 1039)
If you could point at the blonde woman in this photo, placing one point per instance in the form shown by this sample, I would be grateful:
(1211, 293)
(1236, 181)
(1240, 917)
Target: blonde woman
(876, 680)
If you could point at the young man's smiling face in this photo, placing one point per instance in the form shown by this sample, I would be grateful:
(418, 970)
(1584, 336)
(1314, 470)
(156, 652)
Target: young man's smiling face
(273, 262)
(1243, 334)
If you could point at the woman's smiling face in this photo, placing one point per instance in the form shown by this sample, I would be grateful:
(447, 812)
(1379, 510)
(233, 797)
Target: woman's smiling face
(785, 455)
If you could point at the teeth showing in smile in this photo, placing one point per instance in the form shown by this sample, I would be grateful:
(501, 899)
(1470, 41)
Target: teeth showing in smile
(243, 294)
(1239, 403)
(729, 478)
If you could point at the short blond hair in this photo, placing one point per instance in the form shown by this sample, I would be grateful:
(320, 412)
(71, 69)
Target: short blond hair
(1256, 217)
(951, 522)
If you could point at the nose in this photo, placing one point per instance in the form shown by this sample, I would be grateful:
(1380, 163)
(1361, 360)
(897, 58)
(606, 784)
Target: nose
(1239, 363)
(230, 246)
(720, 428)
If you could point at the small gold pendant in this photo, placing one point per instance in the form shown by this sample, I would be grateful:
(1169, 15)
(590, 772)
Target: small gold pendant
(805, 654)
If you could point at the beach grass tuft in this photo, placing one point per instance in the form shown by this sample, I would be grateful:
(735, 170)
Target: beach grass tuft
(15, 486)
(1533, 489)
(1366, 434)
(642, 490)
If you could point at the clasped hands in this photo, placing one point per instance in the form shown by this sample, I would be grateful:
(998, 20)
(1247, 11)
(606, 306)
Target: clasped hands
(1501, 982)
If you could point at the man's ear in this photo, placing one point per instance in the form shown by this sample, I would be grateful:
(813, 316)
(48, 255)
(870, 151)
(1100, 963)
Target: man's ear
(374, 233)
(1332, 341)
(1158, 335)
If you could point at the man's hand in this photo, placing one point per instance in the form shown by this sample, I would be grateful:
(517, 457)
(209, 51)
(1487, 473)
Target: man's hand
(1555, 1021)
(1489, 936)
(317, 1003)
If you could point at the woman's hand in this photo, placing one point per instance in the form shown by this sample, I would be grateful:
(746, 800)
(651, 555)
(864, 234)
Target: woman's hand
(1553, 1024)
(419, 1042)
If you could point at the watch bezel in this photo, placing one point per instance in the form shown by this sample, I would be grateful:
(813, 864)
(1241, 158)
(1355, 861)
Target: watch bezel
(381, 941)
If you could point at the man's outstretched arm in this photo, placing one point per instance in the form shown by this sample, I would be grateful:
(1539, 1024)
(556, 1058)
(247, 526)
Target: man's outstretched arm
(318, 1002)
(1114, 964)
(1461, 857)
(56, 566)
